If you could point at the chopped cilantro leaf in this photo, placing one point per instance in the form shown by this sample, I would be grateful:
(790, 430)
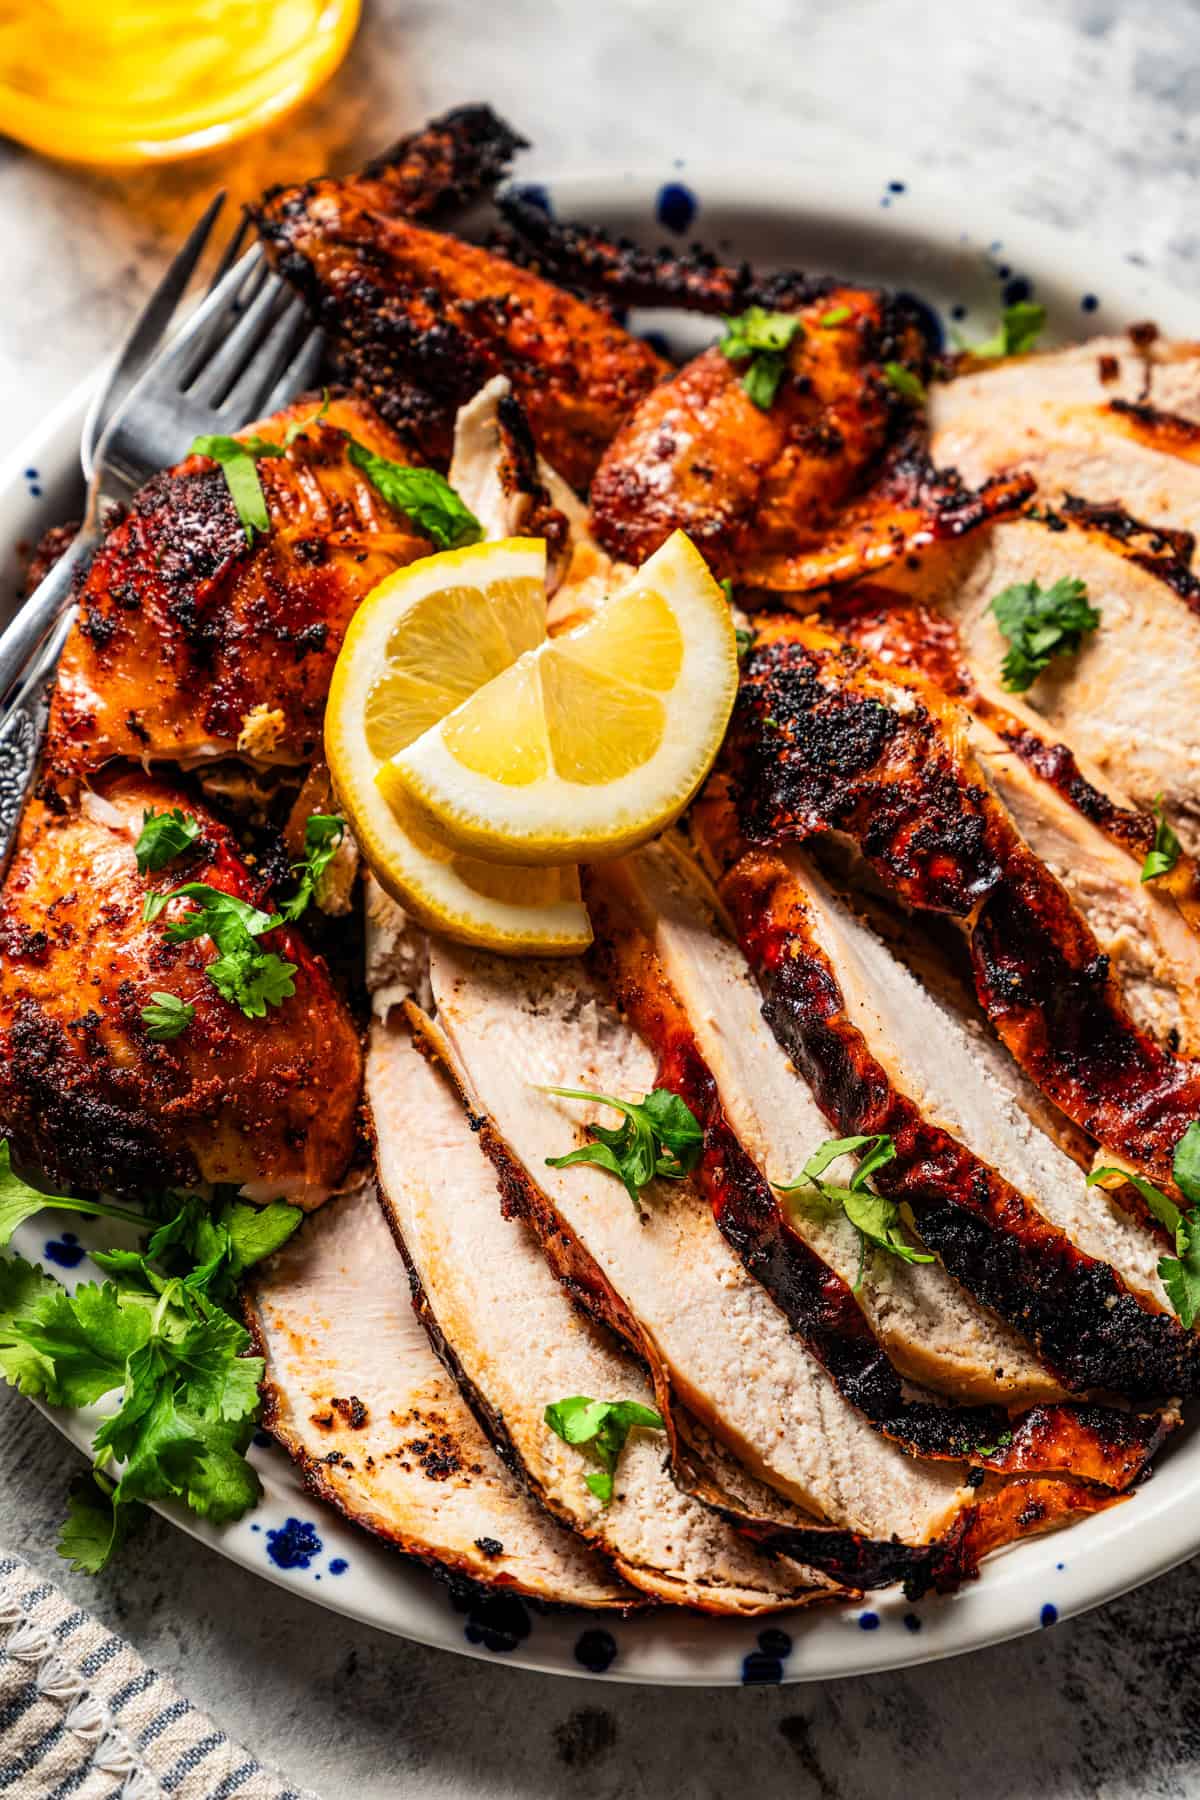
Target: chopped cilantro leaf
(422, 495)
(661, 1136)
(19, 1201)
(164, 836)
(244, 974)
(322, 835)
(1179, 1274)
(877, 1220)
(1040, 623)
(1166, 850)
(904, 382)
(1019, 329)
(837, 315)
(760, 338)
(166, 1016)
(602, 1426)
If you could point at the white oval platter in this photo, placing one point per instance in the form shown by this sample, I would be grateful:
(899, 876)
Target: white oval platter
(872, 220)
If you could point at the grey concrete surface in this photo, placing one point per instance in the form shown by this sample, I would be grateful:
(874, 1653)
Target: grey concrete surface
(1081, 112)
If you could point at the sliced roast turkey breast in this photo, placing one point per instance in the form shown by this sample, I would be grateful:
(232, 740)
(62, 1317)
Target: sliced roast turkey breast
(518, 1344)
(1104, 421)
(727, 1350)
(933, 1331)
(1129, 700)
(357, 1398)
(1071, 815)
(994, 1197)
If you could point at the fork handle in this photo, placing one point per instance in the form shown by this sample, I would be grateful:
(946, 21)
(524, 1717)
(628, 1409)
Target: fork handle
(22, 728)
(27, 631)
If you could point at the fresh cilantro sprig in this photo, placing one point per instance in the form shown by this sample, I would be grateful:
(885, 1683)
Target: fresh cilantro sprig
(876, 1220)
(422, 495)
(159, 1335)
(760, 338)
(1179, 1274)
(837, 315)
(163, 837)
(1020, 326)
(600, 1427)
(1040, 623)
(660, 1136)
(1166, 850)
(237, 457)
(19, 1201)
(322, 835)
(904, 382)
(166, 1017)
(244, 974)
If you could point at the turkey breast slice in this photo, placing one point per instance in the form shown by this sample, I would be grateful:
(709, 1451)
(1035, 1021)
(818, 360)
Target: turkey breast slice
(356, 1396)
(728, 1350)
(1129, 701)
(931, 1328)
(518, 1344)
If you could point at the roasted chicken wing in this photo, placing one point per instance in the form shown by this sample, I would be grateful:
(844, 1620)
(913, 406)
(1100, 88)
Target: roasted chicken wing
(823, 485)
(421, 321)
(85, 1093)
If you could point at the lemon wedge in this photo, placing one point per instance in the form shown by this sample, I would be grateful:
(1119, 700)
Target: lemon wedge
(589, 743)
(422, 641)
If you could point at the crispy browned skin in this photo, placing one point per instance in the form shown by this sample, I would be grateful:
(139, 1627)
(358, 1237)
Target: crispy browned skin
(422, 320)
(1077, 1311)
(820, 744)
(1098, 1442)
(824, 485)
(184, 629)
(84, 1093)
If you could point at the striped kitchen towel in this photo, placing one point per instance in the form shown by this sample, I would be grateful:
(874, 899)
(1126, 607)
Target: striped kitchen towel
(83, 1718)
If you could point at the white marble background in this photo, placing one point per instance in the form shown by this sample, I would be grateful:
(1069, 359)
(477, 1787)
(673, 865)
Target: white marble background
(1080, 112)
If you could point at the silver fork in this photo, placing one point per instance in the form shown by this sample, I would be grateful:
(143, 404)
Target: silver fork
(244, 352)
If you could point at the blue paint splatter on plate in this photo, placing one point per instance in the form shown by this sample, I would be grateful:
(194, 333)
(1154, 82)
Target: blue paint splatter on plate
(1049, 1614)
(676, 206)
(532, 193)
(294, 1544)
(66, 1251)
(764, 1666)
(868, 1621)
(338, 1565)
(897, 187)
(1018, 289)
(596, 1650)
(500, 1622)
(1089, 303)
(911, 1622)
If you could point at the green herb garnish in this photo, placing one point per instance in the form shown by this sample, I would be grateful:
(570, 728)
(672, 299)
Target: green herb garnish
(661, 1136)
(1179, 1274)
(1020, 327)
(19, 1201)
(244, 974)
(237, 457)
(1040, 623)
(877, 1221)
(1167, 849)
(745, 637)
(322, 835)
(602, 1426)
(422, 495)
(837, 315)
(910, 387)
(189, 1393)
(166, 1016)
(163, 837)
(762, 338)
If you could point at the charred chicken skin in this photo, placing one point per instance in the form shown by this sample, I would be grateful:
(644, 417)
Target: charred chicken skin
(422, 320)
(86, 1095)
(826, 484)
(192, 643)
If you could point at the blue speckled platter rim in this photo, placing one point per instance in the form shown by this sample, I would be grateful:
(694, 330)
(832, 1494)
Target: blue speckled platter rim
(865, 218)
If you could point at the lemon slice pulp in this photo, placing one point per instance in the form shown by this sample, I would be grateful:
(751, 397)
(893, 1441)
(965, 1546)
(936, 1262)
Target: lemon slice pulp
(587, 744)
(424, 640)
